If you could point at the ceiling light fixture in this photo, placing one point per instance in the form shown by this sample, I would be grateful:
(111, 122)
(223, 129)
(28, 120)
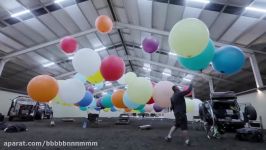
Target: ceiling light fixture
(256, 9)
(199, 1)
(59, 1)
(100, 49)
(166, 74)
(108, 83)
(71, 57)
(146, 68)
(186, 79)
(48, 64)
(170, 53)
(20, 13)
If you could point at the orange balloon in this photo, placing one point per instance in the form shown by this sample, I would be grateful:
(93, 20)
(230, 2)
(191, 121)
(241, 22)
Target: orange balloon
(104, 24)
(127, 110)
(42, 88)
(117, 99)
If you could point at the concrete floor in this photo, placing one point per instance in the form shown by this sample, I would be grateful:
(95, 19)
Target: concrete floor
(121, 137)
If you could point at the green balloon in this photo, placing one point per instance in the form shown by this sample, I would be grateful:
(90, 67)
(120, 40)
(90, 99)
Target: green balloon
(107, 101)
(201, 61)
(189, 37)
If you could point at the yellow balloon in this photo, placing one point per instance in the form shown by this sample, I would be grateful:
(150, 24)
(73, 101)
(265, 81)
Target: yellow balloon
(59, 101)
(190, 105)
(140, 91)
(189, 37)
(106, 109)
(96, 78)
(130, 77)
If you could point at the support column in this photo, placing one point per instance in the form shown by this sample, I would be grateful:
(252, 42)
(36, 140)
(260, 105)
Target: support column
(256, 71)
(2, 65)
(211, 85)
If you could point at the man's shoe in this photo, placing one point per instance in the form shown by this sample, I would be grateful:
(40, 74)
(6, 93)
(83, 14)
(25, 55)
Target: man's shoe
(167, 139)
(187, 142)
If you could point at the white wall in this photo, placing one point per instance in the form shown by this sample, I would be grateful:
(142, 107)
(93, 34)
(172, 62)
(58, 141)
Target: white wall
(5, 101)
(258, 100)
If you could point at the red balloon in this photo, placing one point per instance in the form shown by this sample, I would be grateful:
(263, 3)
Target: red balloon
(112, 68)
(68, 44)
(151, 101)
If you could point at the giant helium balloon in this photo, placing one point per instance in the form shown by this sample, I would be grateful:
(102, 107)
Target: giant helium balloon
(117, 99)
(140, 91)
(104, 24)
(68, 44)
(189, 37)
(42, 88)
(112, 68)
(162, 93)
(200, 61)
(228, 59)
(86, 61)
(71, 90)
(129, 103)
(150, 44)
(96, 78)
(157, 108)
(86, 100)
(107, 101)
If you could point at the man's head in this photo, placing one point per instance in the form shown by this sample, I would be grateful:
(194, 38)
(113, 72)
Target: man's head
(175, 88)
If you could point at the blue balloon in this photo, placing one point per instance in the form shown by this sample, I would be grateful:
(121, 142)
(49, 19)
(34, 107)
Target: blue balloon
(86, 100)
(129, 103)
(97, 108)
(80, 77)
(83, 108)
(107, 101)
(142, 110)
(113, 109)
(200, 61)
(99, 103)
(228, 59)
(93, 104)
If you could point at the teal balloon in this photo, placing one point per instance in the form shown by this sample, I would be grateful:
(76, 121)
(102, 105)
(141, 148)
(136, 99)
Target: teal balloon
(83, 108)
(142, 110)
(140, 107)
(129, 102)
(107, 101)
(200, 61)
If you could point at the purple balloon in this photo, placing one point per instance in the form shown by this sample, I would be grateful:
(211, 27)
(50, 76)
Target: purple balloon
(150, 44)
(99, 104)
(157, 108)
(90, 88)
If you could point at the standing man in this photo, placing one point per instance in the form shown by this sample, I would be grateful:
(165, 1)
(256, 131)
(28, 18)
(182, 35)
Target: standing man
(178, 105)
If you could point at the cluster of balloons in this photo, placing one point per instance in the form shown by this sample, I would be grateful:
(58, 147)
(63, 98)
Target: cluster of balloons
(189, 39)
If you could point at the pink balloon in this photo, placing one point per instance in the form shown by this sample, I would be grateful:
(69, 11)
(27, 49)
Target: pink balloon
(68, 44)
(148, 108)
(162, 93)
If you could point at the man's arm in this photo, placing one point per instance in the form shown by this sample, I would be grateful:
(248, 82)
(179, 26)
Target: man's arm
(186, 92)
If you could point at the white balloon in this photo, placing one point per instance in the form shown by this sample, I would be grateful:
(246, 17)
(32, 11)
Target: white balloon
(71, 90)
(86, 61)
(148, 107)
